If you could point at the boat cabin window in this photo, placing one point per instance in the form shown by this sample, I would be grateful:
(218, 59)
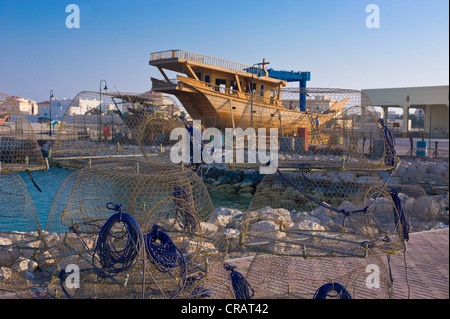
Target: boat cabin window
(207, 78)
(234, 86)
(221, 85)
(199, 75)
(262, 90)
(251, 87)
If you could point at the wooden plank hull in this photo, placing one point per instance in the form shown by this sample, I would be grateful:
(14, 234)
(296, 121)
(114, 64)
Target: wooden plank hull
(222, 110)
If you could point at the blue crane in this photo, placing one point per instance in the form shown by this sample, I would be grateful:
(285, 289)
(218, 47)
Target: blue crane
(291, 76)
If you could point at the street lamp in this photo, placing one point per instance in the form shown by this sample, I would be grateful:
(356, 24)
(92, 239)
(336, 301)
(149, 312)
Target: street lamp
(106, 89)
(50, 111)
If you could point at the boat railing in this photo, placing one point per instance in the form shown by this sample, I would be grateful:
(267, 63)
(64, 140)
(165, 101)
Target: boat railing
(256, 96)
(200, 58)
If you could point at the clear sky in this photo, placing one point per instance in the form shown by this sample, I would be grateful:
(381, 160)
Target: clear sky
(328, 38)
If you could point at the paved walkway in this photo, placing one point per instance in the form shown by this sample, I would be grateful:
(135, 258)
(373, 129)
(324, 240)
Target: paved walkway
(427, 272)
(426, 275)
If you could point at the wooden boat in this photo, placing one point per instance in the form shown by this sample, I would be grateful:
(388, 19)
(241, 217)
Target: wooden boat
(224, 94)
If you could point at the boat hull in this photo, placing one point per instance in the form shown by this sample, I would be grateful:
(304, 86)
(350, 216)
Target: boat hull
(224, 110)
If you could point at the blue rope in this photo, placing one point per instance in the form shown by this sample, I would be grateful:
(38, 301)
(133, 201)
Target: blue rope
(401, 218)
(199, 291)
(185, 215)
(389, 144)
(115, 259)
(197, 167)
(240, 285)
(163, 254)
(343, 211)
(62, 279)
(324, 291)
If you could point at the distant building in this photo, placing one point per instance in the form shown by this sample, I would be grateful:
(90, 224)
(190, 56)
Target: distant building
(65, 105)
(43, 108)
(433, 101)
(26, 106)
(317, 104)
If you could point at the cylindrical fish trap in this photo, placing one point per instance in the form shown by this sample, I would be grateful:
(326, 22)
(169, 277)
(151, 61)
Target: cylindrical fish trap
(20, 236)
(160, 224)
(288, 277)
(332, 124)
(19, 149)
(324, 213)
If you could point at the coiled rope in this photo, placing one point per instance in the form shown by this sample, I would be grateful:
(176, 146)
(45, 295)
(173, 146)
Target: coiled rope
(324, 291)
(115, 256)
(163, 254)
(241, 287)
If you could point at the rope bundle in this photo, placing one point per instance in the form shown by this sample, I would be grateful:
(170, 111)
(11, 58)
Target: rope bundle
(184, 213)
(324, 291)
(240, 285)
(112, 257)
(196, 167)
(389, 144)
(162, 252)
(401, 218)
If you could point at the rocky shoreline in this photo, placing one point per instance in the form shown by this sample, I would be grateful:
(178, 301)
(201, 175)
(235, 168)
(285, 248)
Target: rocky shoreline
(224, 178)
(18, 260)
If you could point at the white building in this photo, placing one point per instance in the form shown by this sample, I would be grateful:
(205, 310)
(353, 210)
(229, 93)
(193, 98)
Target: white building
(432, 100)
(59, 107)
(26, 106)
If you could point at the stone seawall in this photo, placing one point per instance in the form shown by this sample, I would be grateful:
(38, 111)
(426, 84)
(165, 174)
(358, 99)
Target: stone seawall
(228, 180)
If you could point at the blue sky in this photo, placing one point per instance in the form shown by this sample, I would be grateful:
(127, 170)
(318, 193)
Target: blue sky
(328, 38)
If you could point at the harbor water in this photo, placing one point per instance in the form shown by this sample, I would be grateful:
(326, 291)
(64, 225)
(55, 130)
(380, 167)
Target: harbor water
(49, 182)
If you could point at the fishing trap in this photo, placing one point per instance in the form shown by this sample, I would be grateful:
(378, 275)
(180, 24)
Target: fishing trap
(164, 207)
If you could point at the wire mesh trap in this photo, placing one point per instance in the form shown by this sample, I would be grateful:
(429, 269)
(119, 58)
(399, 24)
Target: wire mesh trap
(19, 149)
(98, 125)
(339, 127)
(314, 213)
(20, 236)
(290, 277)
(221, 281)
(162, 229)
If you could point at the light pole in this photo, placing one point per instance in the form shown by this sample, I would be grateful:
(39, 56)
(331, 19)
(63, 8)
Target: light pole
(50, 111)
(100, 107)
